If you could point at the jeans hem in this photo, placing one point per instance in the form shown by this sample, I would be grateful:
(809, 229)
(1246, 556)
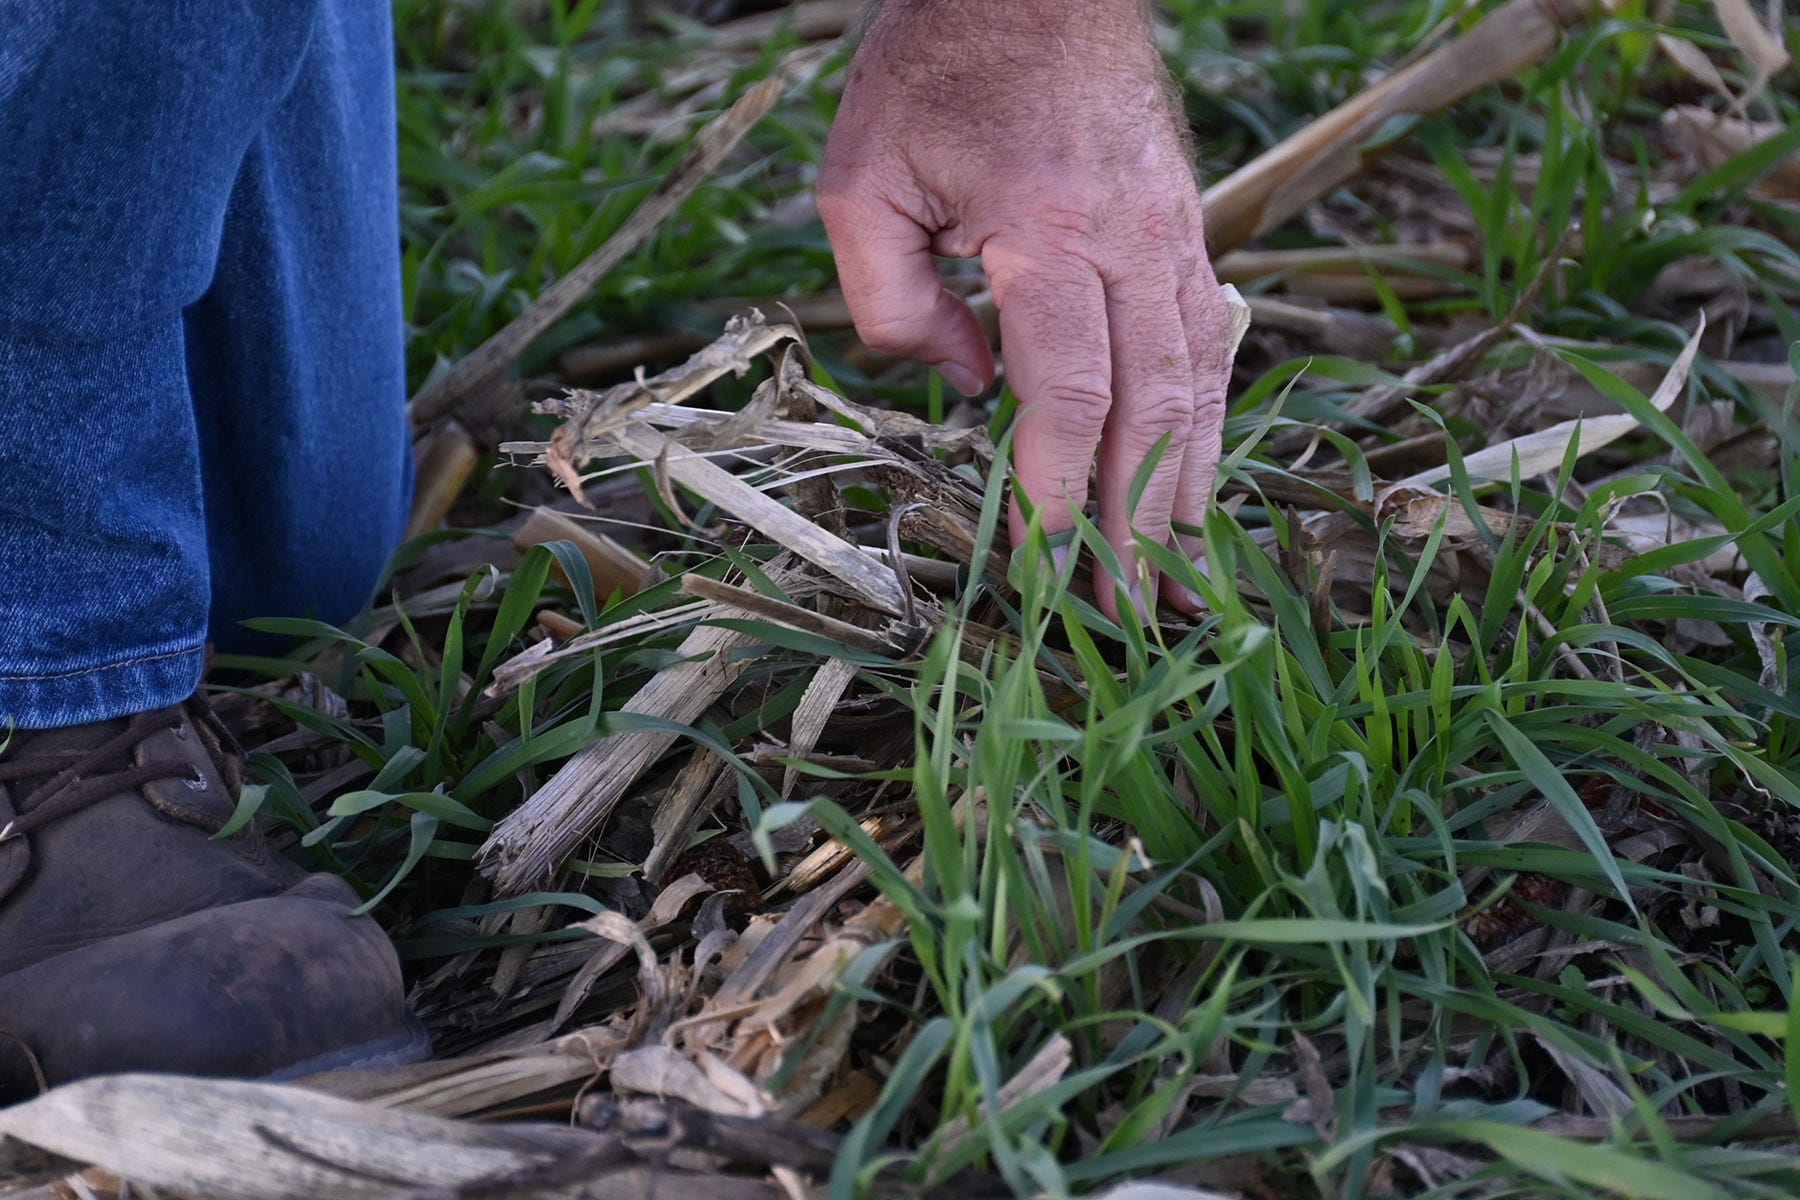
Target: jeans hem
(53, 699)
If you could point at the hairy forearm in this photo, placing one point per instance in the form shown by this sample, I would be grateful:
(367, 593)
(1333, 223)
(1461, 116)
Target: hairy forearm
(1057, 57)
(1040, 10)
(1103, 19)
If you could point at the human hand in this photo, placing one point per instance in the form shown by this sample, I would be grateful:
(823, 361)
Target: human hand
(1040, 135)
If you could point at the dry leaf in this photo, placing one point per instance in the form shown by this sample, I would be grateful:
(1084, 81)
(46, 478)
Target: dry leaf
(1543, 451)
(535, 838)
(1601, 1096)
(207, 1138)
(1757, 40)
(1768, 647)
(1693, 60)
(1646, 531)
(664, 1072)
(1707, 139)
(1044, 1069)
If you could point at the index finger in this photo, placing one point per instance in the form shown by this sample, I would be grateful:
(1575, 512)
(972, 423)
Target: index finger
(899, 305)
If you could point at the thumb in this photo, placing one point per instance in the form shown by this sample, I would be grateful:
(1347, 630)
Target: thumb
(900, 306)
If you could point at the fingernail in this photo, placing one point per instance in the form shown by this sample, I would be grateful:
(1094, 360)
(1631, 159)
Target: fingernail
(961, 378)
(1144, 602)
(1059, 561)
(1188, 594)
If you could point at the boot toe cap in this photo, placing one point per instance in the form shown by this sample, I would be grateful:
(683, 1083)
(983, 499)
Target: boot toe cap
(276, 985)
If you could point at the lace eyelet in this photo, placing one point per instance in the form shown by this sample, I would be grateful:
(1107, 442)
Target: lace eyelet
(180, 731)
(197, 782)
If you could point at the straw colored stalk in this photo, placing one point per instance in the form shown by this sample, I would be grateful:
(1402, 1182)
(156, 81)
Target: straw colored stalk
(1333, 149)
(1418, 510)
(256, 1141)
(541, 833)
(446, 457)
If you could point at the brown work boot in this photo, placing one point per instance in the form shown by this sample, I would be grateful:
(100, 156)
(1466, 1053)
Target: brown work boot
(133, 940)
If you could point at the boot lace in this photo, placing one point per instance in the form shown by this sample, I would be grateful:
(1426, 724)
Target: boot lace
(81, 778)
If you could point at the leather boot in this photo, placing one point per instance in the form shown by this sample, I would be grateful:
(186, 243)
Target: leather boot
(132, 939)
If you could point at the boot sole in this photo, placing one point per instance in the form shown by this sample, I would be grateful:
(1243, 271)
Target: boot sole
(412, 1046)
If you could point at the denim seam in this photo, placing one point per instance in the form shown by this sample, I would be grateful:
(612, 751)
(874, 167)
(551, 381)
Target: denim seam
(129, 662)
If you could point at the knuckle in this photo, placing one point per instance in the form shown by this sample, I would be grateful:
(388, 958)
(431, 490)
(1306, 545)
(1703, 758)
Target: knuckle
(891, 334)
(1208, 320)
(1153, 225)
(1203, 295)
(1051, 218)
(1034, 286)
(1212, 364)
(861, 194)
(1209, 405)
(1068, 217)
(849, 205)
(832, 197)
(1067, 203)
(1080, 402)
(1164, 412)
(1201, 288)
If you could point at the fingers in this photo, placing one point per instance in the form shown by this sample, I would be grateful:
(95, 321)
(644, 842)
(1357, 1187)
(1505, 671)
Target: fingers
(1115, 335)
(1053, 331)
(896, 299)
(1153, 406)
(1105, 374)
(1207, 324)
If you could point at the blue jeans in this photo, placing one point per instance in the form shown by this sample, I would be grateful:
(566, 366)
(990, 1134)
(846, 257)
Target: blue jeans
(201, 371)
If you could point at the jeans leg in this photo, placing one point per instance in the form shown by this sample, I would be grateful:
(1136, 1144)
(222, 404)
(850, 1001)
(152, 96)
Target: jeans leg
(122, 128)
(295, 354)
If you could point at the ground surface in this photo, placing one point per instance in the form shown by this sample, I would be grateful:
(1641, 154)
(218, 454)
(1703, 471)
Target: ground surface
(1453, 854)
